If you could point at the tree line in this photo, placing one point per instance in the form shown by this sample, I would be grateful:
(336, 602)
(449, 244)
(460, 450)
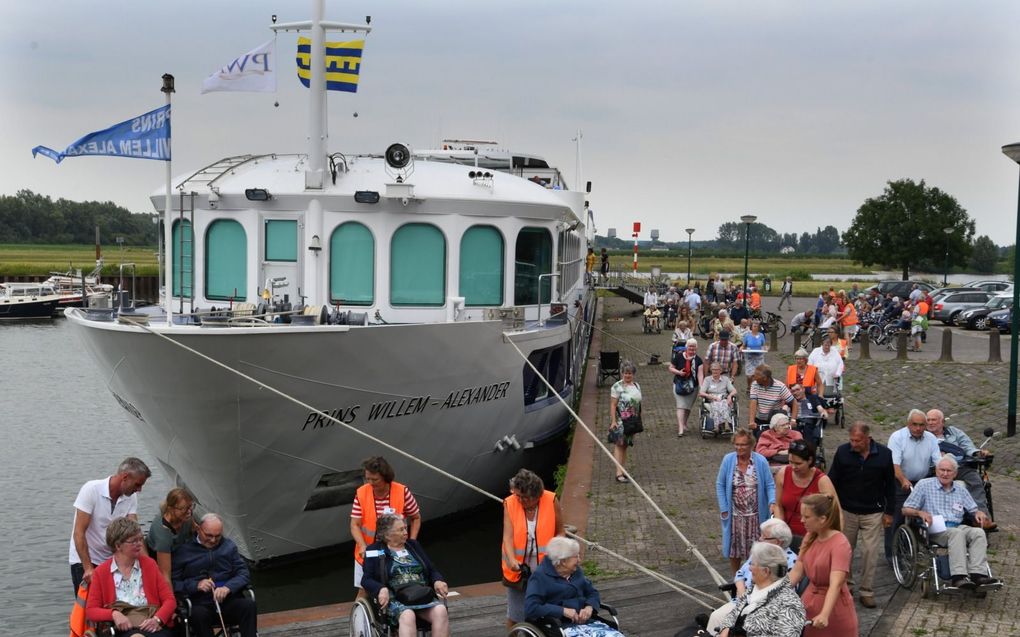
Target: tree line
(28, 217)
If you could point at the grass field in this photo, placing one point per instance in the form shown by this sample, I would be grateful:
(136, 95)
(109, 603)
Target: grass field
(21, 260)
(776, 267)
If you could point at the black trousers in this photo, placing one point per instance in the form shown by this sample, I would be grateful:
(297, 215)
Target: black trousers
(77, 575)
(237, 610)
(901, 497)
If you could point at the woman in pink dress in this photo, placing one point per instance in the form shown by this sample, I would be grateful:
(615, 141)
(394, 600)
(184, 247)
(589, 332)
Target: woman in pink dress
(825, 558)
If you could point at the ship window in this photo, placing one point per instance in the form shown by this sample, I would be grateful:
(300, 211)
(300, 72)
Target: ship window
(554, 364)
(335, 489)
(418, 265)
(183, 245)
(533, 257)
(481, 266)
(281, 240)
(226, 260)
(352, 265)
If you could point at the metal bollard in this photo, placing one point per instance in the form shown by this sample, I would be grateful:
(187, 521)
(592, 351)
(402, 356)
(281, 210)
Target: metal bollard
(773, 340)
(901, 345)
(864, 347)
(796, 340)
(947, 346)
(994, 346)
(816, 339)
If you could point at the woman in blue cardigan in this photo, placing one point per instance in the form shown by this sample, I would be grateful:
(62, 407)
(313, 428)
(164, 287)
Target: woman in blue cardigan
(747, 496)
(558, 588)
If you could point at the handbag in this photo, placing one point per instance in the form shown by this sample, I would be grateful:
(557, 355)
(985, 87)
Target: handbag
(684, 386)
(414, 594)
(632, 425)
(522, 581)
(135, 614)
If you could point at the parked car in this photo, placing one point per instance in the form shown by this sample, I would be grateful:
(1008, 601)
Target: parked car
(899, 288)
(977, 318)
(1001, 319)
(948, 307)
(941, 293)
(991, 286)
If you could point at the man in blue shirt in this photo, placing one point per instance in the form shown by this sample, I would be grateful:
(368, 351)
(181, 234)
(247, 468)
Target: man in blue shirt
(914, 452)
(968, 546)
(211, 571)
(954, 436)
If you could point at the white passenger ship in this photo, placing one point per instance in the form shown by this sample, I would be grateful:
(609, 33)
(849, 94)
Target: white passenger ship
(416, 270)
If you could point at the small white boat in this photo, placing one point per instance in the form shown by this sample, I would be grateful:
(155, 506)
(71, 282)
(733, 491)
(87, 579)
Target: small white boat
(27, 301)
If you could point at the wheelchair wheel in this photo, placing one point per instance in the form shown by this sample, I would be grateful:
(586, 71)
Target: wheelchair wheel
(904, 556)
(840, 416)
(780, 328)
(526, 629)
(363, 619)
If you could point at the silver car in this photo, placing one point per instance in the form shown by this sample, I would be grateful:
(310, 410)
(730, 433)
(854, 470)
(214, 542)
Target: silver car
(948, 307)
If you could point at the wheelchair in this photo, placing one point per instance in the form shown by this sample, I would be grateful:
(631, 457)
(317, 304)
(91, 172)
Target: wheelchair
(833, 401)
(609, 367)
(182, 617)
(708, 427)
(917, 557)
(812, 427)
(365, 622)
(552, 627)
(652, 322)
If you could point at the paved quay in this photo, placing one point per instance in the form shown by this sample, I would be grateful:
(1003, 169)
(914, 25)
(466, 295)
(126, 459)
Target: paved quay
(680, 474)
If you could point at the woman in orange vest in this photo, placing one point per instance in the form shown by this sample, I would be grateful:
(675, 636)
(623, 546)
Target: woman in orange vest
(380, 495)
(841, 344)
(800, 373)
(848, 321)
(531, 517)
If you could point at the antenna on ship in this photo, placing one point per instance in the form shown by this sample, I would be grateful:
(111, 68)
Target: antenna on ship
(318, 128)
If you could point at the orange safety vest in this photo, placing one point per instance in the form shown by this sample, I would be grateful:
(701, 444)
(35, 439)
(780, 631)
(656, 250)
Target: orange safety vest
(367, 499)
(545, 529)
(841, 347)
(849, 319)
(755, 301)
(78, 623)
(809, 380)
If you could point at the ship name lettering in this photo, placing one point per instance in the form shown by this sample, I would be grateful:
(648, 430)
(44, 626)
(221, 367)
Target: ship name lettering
(323, 419)
(472, 395)
(395, 409)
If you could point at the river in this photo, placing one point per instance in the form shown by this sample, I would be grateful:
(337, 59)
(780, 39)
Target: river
(62, 428)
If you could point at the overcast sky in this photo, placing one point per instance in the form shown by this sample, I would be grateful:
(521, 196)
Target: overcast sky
(693, 112)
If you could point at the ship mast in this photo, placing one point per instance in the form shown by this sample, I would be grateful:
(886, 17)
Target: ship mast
(318, 126)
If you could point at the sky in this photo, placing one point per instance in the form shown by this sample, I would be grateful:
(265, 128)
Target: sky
(692, 112)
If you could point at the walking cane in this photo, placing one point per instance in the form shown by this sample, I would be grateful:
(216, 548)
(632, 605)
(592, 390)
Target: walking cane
(219, 612)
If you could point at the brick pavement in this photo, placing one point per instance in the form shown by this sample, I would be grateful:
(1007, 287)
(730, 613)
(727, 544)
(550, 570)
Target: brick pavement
(680, 474)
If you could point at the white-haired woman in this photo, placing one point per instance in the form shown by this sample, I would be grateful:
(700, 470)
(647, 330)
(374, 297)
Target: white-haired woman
(688, 373)
(774, 443)
(558, 588)
(719, 394)
(772, 607)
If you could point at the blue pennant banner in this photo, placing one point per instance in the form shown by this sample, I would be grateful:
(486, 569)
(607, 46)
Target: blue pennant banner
(144, 137)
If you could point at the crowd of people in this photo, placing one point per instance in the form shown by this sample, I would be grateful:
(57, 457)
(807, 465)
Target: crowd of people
(771, 484)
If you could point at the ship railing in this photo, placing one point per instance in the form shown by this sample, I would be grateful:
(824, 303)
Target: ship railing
(551, 275)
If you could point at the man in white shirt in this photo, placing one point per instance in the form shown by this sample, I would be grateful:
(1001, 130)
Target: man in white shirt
(99, 502)
(828, 361)
(914, 451)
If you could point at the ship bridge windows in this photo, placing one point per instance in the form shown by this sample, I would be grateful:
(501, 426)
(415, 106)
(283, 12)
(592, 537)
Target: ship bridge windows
(281, 240)
(352, 265)
(533, 257)
(418, 265)
(183, 268)
(553, 363)
(226, 259)
(481, 266)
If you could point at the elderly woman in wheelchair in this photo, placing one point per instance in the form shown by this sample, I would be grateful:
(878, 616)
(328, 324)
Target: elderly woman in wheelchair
(407, 590)
(935, 510)
(561, 601)
(772, 607)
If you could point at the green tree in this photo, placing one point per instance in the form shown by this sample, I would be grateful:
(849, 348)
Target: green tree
(905, 226)
(985, 255)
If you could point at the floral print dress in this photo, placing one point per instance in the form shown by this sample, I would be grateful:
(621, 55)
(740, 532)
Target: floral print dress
(628, 403)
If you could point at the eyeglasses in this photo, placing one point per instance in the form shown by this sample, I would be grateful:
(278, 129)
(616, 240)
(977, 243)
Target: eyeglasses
(798, 446)
(185, 507)
(766, 538)
(134, 540)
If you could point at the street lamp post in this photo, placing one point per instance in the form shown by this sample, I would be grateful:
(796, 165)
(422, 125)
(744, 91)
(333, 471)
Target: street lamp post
(747, 221)
(1013, 152)
(690, 231)
(945, 276)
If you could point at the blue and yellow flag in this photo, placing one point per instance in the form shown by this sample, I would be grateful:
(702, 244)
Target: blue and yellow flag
(343, 64)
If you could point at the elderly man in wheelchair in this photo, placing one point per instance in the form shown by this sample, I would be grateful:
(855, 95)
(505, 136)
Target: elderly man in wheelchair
(940, 504)
(561, 601)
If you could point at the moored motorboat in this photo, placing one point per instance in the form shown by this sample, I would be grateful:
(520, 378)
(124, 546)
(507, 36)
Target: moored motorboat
(396, 293)
(27, 301)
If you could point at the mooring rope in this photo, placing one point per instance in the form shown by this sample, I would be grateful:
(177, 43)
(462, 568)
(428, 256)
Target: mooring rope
(676, 586)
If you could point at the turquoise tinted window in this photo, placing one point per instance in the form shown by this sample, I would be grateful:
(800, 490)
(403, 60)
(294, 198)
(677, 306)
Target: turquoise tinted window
(418, 265)
(226, 260)
(281, 240)
(182, 246)
(352, 265)
(481, 266)
(533, 257)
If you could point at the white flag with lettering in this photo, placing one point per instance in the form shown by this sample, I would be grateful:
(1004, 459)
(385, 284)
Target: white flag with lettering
(254, 71)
